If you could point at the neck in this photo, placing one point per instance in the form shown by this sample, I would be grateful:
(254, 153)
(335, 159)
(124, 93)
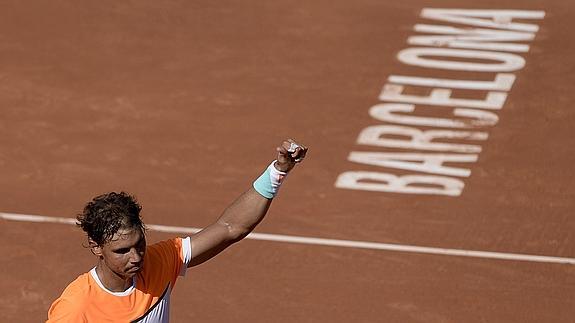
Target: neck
(112, 281)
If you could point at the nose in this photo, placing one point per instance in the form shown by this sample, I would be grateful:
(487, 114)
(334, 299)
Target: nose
(135, 256)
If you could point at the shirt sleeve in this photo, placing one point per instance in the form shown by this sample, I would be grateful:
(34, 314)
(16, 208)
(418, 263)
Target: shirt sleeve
(186, 253)
(172, 256)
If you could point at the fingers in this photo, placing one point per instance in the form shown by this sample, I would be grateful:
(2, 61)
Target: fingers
(295, 150)
(283, 154)
(289, 153)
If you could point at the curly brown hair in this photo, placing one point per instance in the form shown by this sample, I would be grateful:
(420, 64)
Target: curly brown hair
(107, 213)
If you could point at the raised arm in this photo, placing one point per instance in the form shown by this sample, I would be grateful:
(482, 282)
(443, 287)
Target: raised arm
(249, 209)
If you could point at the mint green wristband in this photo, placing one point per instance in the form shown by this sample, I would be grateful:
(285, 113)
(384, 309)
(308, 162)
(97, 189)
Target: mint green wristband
(269, 182)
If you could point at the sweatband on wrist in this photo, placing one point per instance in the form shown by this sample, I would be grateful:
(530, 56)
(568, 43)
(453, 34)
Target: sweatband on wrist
(269, 182)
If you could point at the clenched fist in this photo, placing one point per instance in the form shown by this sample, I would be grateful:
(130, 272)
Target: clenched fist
(289, 153)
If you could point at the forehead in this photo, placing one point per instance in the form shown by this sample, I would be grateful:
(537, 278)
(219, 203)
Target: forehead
(126, 237)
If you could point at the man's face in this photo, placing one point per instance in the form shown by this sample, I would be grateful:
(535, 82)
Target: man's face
(124, 254)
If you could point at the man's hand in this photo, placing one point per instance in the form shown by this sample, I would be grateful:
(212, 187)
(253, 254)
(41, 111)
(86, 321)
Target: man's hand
(289, 153)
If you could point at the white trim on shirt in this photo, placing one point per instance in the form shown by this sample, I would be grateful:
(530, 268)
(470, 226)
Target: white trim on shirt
(186, 254)
(99, 282)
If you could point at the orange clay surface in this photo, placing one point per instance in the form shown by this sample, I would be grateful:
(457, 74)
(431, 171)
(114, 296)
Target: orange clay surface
(182, 104)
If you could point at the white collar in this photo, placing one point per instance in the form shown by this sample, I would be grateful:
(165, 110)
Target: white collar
(128, 291)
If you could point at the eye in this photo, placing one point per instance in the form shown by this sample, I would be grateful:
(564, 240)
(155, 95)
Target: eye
(122, 251)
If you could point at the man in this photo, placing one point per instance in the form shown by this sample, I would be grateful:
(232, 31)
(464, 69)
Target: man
(132, 282)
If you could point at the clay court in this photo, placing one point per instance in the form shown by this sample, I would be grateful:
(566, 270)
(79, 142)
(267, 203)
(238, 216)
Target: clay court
(183, 103)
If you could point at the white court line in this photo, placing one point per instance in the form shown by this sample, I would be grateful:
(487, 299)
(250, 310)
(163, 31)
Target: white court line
(326, 242)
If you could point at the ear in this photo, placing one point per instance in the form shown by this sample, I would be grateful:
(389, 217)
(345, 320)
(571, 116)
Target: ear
(95, 248)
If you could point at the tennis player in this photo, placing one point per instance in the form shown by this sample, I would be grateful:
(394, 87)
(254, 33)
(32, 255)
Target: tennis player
(132, 281)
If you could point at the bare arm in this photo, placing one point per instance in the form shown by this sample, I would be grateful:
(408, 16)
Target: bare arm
(242, 216)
